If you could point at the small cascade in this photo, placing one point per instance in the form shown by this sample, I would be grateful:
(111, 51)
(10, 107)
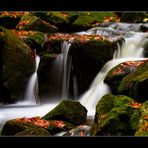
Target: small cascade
(66, 68)
(132, 49)
(31, 95)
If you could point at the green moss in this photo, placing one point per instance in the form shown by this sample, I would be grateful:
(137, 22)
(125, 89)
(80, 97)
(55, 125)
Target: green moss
(12, 127)
(69, 111)
(135, 82)
(31, 22)
(33, 132)
(113, 115)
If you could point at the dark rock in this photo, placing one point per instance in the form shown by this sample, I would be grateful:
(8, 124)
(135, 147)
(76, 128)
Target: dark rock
(17, 65)
(69, 111)
(144, 27)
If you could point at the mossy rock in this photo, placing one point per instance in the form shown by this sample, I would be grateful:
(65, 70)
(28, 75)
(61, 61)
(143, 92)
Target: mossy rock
(13, 127)
(142, 128)
(58, 19)
(31, 22)
(113, 115)
(17, 64)
(134, 84)
(34, 39)
(69, 111)
(117, 73)
(33, 132)
(86, 20)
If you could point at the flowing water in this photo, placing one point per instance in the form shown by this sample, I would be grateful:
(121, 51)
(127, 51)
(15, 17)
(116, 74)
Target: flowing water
(132, 49)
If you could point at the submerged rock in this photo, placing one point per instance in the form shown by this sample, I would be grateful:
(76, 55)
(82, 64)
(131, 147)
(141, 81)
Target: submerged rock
(69, 111)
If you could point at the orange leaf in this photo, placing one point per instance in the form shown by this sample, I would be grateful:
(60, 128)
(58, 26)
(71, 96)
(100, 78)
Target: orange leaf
(135, 104)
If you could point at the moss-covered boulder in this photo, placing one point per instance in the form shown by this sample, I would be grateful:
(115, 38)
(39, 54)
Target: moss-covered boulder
(116, 74)
(35, 126)
(34, 39)
(31, 22)
(17, 64)
(113, 116)
(86, 20)
(135, 84)
(69, 111)
(58, 19)
(21, 126)
(142, 126)
(10, 20)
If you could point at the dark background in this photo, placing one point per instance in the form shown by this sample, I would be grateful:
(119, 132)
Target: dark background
(74, 5)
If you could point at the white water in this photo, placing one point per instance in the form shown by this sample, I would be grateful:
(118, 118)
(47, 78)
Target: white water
(97, 88)
(31, 94)
(132, 49)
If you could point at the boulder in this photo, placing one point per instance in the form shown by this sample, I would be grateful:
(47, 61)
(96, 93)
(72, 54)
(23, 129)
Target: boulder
(113, 116)
(69, 111)
(116, 74)
(31, 22)
(17, 64)
(134, 84)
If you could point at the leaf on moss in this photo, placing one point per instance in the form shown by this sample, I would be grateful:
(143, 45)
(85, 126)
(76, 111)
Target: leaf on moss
(135, 104)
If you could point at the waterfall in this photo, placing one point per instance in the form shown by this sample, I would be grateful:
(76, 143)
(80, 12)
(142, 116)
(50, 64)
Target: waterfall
(31, 94)
(132, 49)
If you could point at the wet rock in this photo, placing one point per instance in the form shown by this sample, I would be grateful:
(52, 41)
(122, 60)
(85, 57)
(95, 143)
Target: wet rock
(17, 64)
(69, 111)
(82, 130)
(144, 27)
